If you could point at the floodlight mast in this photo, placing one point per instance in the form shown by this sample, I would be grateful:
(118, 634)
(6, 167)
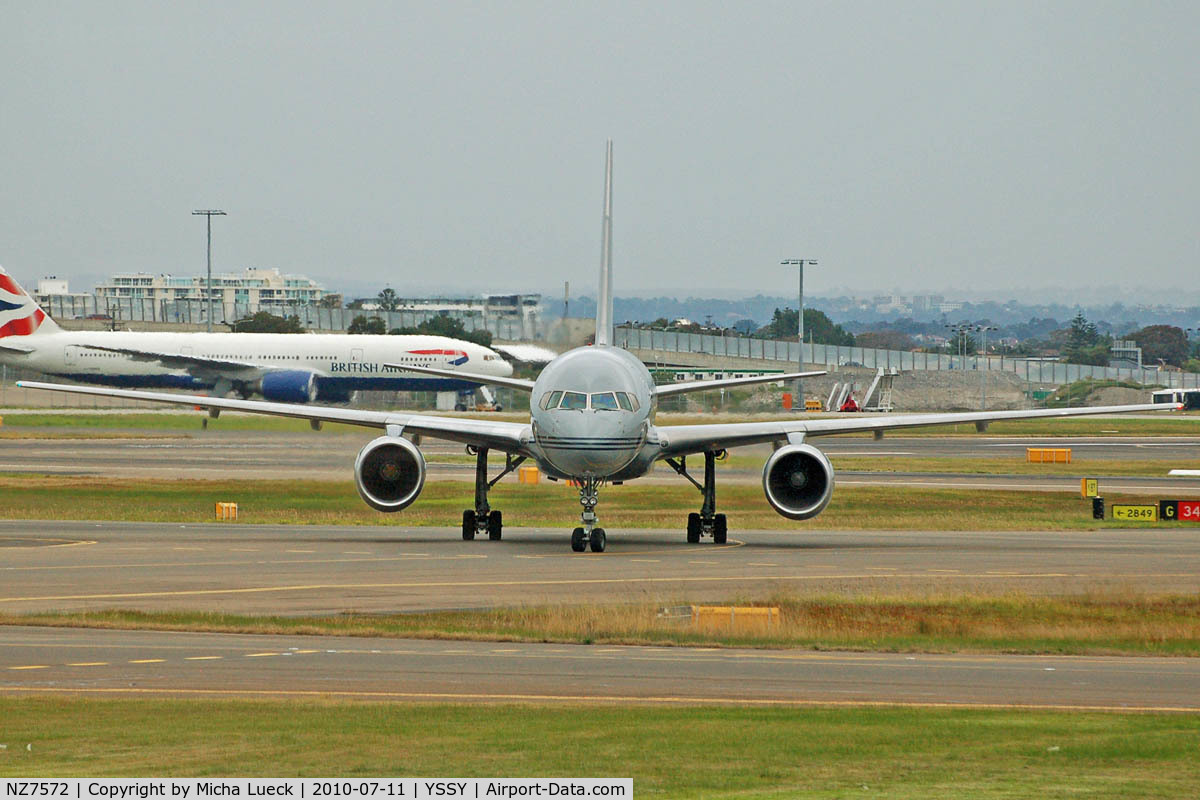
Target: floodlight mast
(800, 262)
(209, 214)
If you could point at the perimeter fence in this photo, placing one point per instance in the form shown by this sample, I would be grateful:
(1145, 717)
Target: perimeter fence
(1031, 370)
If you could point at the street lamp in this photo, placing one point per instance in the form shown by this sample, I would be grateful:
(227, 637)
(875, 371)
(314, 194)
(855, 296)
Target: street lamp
(209, 213)
(800, 262)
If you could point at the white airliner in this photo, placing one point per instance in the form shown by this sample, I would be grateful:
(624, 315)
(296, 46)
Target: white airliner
(286, 368)
(592, 421)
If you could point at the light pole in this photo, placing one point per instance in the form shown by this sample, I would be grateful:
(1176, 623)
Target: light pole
(800, 262)
(983, 329)
(209, 213)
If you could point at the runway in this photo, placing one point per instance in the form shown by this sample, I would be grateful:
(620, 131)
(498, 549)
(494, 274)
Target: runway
(294, 570)
(52, 661)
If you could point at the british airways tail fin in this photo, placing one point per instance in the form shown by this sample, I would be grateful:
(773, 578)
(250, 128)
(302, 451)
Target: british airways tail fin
(19, 313)
(604, 301)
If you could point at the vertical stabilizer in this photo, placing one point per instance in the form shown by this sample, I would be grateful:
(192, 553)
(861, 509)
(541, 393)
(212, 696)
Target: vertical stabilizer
(604, 302)
(19, 313)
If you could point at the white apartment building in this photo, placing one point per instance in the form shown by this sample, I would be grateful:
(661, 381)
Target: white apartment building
(254, 287)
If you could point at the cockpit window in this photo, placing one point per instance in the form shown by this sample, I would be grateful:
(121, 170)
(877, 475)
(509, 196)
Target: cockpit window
(550, 399)
(604, 401)
(623, 400)
(574, 401)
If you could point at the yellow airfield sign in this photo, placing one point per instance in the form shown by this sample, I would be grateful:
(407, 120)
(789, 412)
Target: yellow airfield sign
(1135, 513)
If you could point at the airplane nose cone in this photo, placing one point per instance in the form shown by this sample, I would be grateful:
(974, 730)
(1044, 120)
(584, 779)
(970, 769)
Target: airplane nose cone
(505, 369)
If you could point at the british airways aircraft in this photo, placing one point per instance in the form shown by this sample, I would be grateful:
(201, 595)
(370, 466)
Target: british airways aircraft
(593, 422)
(285, 368)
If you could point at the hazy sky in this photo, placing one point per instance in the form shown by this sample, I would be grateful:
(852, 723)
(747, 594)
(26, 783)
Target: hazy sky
(906, 145)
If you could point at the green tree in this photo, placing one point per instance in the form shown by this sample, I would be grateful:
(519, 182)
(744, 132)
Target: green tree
(266, 322)
(885, 340)
(1165, 342)
(364, 324)
(818, 327)
(1084, 344)
(449, 327)
(388, 300)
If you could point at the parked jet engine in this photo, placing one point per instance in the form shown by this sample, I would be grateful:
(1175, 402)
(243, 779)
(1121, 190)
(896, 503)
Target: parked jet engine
(390, 473)
(798, 481)
(288, 386)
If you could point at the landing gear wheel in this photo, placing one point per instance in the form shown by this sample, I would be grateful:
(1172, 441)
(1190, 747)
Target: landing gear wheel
(720, 529)
(495, 526)
(693, 528)
(598, 540)
(468, 525)
(578, 540)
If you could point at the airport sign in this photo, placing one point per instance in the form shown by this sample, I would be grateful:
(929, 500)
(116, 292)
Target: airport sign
(1089, 487)
(1135, 513)
(1179, 510)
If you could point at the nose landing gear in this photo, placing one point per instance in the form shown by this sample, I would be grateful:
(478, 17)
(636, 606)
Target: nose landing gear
(589, 535)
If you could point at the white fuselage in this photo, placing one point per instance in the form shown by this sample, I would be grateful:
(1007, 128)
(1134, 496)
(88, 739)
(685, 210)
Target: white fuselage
(340, 363)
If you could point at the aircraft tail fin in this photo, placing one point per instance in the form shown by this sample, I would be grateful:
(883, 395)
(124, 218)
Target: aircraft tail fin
(19, 313)
(604, 301)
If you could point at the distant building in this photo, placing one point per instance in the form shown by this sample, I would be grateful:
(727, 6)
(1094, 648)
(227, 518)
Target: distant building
(253, 287)
(55, 296)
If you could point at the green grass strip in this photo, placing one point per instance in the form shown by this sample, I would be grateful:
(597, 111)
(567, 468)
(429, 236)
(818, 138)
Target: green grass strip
(637, 505)
(688, 752)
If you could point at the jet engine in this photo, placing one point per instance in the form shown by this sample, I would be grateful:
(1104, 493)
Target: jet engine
(288, 386)
(798, 481)
(390, 473)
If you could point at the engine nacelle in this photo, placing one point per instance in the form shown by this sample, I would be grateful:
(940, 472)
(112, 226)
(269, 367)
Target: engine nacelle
(288, 386)
(798, 481)
(390, 473)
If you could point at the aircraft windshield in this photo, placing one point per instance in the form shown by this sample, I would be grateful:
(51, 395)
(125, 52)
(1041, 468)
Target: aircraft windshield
(600, 401)
(574, 401)
(604, 401)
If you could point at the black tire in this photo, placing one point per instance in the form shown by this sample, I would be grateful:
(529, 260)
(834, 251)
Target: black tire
(693, 528)
(598, 540)
(578, 540)
(460, 407)
(468, 525)
(720, 529)
(495, 526)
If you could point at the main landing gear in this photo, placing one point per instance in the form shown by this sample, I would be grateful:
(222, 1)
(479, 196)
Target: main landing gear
(482, 519)
(707, 522)
(589, 535)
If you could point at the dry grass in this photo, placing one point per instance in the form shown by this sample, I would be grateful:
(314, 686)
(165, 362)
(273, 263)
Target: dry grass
(1092, 624)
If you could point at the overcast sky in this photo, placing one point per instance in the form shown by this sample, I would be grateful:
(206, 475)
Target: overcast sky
(912, 145)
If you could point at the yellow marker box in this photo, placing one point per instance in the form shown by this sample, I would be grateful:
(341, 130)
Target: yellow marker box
(1089, 487)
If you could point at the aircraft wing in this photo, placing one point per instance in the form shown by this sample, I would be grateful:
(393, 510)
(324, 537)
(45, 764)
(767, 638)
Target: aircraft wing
(182, 361)
(509, 437)
(684, 439)
(471, 377)
(668, 389)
